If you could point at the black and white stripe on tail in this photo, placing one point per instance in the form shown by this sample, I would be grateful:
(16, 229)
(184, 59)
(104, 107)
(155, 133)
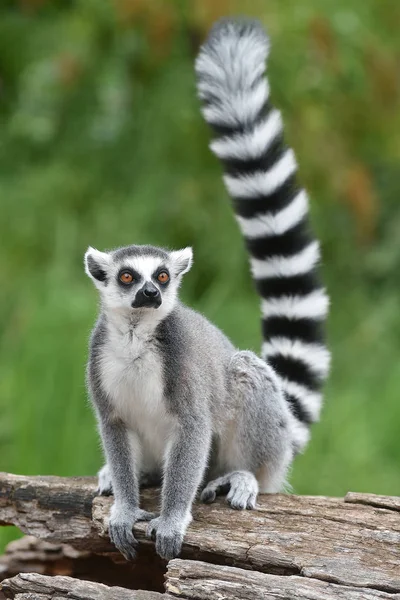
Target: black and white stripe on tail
(271, 209)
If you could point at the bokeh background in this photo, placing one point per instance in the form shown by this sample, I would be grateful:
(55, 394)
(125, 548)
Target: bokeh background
(102, 143)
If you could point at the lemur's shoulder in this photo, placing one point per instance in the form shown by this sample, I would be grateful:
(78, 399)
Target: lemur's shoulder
(192, 326)
(190, 343)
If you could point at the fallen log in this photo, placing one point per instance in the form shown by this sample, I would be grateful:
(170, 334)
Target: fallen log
(31, 586)
(29, 554)
(192, 580)
(352, 541)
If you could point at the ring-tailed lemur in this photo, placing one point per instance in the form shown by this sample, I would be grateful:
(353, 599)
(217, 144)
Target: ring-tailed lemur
(175, 399)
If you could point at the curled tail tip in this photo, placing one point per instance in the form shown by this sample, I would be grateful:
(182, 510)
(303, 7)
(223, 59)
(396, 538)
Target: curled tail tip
(230, 71)
(237, 28)
(233, 43)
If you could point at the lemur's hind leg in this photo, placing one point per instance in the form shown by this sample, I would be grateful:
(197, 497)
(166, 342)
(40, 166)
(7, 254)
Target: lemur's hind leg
(104, 481)
(240, 487)
(259, 461)
(147, 479)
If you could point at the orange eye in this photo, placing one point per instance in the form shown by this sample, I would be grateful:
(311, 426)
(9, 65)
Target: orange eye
(163, 277)
(126, 277)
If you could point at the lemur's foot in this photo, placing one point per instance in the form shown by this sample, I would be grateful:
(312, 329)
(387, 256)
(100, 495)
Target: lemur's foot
(120, 527)
(168, 535)
(241, 488)
(104, 482)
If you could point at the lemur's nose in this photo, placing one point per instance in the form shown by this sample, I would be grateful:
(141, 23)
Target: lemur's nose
(150, 290)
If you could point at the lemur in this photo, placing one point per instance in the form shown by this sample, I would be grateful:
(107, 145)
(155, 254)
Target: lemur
(175, 400)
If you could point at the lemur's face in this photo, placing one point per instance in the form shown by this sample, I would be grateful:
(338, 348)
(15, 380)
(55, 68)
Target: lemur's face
(138, 277)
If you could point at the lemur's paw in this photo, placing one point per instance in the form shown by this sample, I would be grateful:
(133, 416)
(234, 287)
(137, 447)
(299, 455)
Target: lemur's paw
(167, 536)
(242, 495)
(123, 539)
(120, 527)
(104, 482)
(217, 487)
(241, 488)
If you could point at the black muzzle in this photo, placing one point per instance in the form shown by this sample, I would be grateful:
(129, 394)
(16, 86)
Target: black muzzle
(148, 296)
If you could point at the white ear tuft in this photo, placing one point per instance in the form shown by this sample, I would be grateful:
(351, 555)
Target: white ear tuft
(182, 260)
(96, 265)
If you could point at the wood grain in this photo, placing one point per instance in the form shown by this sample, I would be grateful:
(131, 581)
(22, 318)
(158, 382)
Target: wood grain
(350, 543)
(41, 587)
(195, 580)
(29, 554)
(390, 502)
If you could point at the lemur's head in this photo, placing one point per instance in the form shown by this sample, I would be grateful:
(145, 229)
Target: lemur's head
(138, 278)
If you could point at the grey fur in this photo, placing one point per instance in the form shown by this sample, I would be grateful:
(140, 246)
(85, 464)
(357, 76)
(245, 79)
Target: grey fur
(230, 419)
(134, 250)
(104, 481)
(152, 479)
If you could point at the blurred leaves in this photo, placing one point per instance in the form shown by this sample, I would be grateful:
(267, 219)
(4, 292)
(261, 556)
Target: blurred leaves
(384, 71)
(323, 39)
(360, 196)
(156, 18)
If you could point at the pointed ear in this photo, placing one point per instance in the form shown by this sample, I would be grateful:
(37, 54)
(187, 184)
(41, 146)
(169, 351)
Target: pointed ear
(96, 265)
(182, 260)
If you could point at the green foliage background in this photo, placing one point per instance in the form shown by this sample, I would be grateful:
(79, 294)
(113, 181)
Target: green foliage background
(102, 143)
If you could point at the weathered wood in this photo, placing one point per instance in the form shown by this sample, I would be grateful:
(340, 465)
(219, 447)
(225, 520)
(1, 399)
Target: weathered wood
(193, 580)
(390, 502)
(52, 508)
(34, 586)
(30, 554)
(322, 538)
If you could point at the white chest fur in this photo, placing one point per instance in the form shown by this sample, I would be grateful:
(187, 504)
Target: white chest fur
(133, 379)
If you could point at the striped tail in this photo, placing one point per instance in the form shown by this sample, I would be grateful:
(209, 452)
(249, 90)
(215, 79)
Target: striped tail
(271, 209)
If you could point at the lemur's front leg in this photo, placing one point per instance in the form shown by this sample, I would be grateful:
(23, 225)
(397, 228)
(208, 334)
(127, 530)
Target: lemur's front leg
(123, 464)
(185, 465)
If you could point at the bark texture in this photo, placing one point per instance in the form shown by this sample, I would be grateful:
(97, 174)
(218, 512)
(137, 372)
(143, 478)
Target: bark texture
(29, 554)
(195, 580)
(32, 586)
(306, 542)
(192, 580)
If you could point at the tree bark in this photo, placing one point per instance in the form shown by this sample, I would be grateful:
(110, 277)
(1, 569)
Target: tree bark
(32, 586)
(30, 554)
(352, 542)
(195, 580)
(192, 580)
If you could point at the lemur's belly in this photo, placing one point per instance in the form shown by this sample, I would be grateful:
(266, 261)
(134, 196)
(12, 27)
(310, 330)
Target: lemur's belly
(136, 391)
